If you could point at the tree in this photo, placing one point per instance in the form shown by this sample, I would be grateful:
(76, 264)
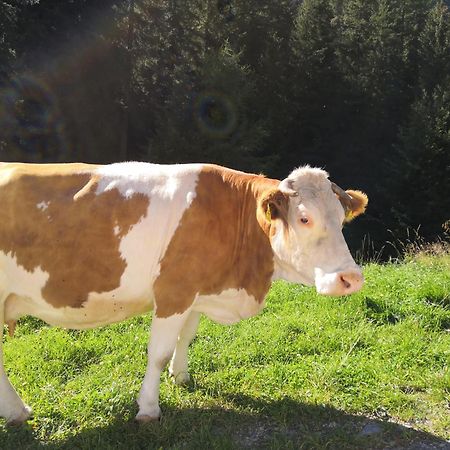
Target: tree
(215, 123)
(420, 193)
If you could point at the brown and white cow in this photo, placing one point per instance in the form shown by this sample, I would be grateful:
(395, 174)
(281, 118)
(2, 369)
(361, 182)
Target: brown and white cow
(83, 246)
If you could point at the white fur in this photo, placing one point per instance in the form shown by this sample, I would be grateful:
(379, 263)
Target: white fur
(163, 340)
(12, 407)
(228, 307)
(171, 190)
(43, 205)
(179, 364)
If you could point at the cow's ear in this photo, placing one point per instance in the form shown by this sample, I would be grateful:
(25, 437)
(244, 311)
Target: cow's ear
(274, 205)
(359, 202)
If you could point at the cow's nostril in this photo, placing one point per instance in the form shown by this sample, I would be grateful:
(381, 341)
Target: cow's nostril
(346, 284)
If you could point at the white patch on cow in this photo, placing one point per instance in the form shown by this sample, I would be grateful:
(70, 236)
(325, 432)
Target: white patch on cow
(19, 281)
(171, 190)
(22, 289)
(6, 172)
(116, 230)
(42, 205)
(228, 307)
(286, 252)
(144, 178)
(190, 197)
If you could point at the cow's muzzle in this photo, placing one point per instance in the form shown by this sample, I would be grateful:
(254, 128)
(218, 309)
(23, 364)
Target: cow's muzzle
(344, 282)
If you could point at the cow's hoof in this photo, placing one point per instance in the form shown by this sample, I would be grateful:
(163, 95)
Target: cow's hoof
(147, 419)
(21, 418)
(154, 415)
(182, 378)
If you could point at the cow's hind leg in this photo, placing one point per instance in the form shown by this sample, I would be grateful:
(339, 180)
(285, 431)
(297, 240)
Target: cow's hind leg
(179, 364)
(163, 339)
(12, 407)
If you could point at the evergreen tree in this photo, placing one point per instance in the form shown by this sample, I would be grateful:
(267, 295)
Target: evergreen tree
(420, 192)
(216, 122)
(317, 86)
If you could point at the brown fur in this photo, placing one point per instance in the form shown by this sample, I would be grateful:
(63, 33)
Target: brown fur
(358, 204)
(219, 244)
(273, 205)
(73, 239)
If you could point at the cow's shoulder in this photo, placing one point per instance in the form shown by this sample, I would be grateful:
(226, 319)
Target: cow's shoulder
(219, 243)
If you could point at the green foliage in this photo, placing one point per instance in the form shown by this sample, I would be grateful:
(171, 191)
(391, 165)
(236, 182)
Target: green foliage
(423, 151)
(217, 119)
(7, 24)
(309, 371)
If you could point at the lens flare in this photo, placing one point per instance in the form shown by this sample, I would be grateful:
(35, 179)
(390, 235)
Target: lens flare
(215, 114)
(31, 120)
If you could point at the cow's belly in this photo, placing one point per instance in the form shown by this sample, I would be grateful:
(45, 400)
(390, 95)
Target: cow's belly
(94, 313)
(228, 307)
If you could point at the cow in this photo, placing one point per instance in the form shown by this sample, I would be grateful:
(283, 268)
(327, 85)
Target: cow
(83, 246)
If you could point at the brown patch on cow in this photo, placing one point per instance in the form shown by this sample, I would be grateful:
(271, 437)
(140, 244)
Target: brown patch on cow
(219, 244)
(52, 219)
(273, 205)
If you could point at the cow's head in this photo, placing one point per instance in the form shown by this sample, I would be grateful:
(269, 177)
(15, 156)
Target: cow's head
(304, 219)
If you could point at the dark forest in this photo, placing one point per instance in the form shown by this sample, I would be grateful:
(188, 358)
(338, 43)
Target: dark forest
(358, 87)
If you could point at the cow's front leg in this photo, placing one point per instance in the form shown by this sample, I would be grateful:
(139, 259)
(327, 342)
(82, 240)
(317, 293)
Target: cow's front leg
(163, 339)
(179, 364)
(12, 407)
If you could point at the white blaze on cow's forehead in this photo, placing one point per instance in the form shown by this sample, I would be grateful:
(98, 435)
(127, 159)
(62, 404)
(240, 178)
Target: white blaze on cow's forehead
(314, 188)
(311, 177)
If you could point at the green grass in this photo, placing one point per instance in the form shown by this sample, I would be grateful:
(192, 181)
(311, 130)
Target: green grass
(309, 372)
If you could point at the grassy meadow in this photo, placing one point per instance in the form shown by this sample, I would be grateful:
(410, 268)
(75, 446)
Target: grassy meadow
(370, 371)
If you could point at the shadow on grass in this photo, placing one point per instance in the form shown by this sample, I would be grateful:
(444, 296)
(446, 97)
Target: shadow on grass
(245, 423)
